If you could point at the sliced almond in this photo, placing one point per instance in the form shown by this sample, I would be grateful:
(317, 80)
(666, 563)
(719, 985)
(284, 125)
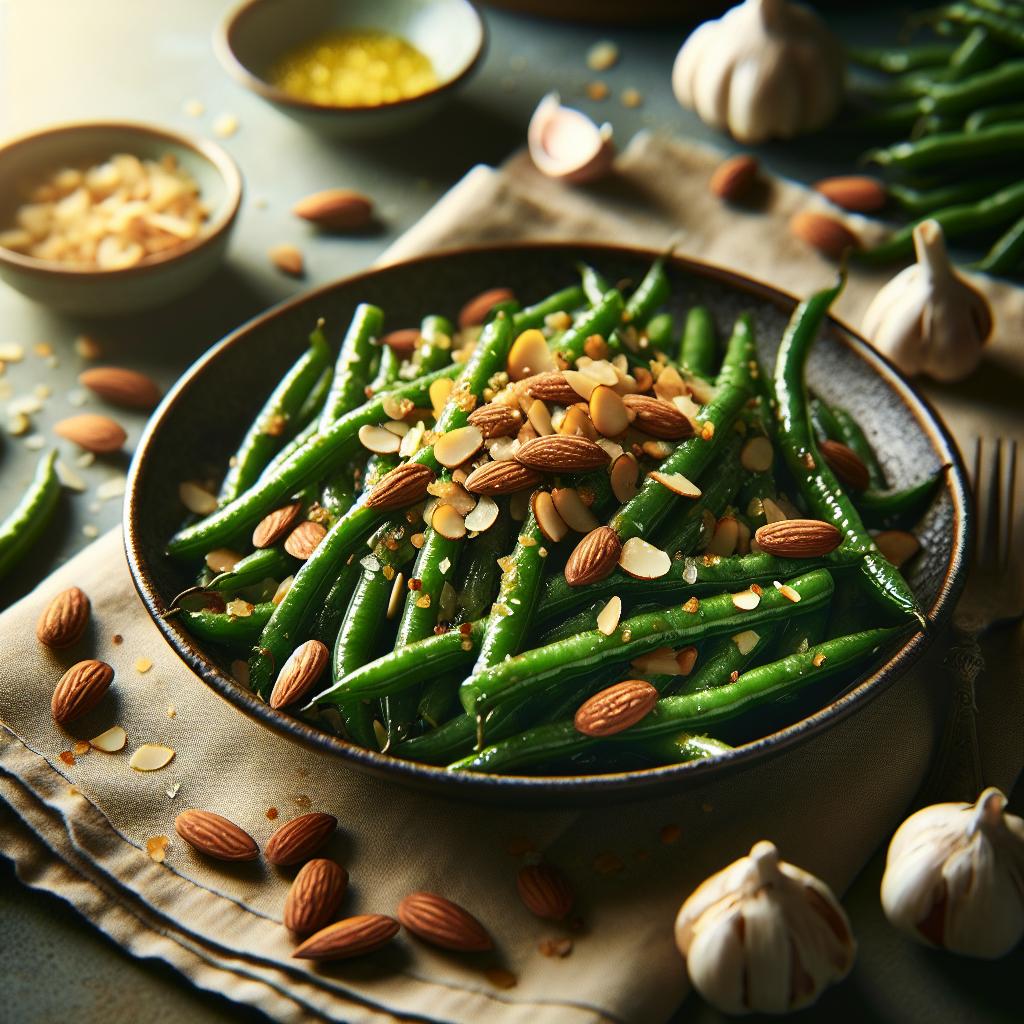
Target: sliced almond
(685, 660)
(196, 498)
(275, 525)
(773, 513)
(689, 408)
(111, 741)
(448, 522)
(222, 559)
(757, 455)
(397, 427)
(657, 450)
(576, 422)
(608, 412)
(458, 446)
(304, 539)
(397, 598)
(540, 418)
(746, 600)
(503, 448)
(787, 592)
(379, 440)
(659, 662)
(611, 448)
(582, 384)
(530, 355)
(600, 370)
(570, 507)
(898, 546)
(723, 540)
(519, 505)
(608, 617)
(483, 516)
(551, 524)
(676, 483)
(439, 391)
(625, 478)
(746, 641)
(642, 560)
(395, 407)
(151, 757)
(669, 384)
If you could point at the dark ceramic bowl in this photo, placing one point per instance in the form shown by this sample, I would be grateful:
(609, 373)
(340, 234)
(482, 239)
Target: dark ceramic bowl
(200, 422)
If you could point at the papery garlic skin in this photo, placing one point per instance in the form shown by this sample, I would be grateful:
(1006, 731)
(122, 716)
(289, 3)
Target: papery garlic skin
(763, 936)
(927, 319)
(766, 69)
(954, 877)
(565, 144)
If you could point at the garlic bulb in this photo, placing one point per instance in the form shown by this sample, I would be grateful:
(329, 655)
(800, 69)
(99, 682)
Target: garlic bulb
(763, 935)
(954, 877)
(766, 69)
(927, 319)
(564, 143)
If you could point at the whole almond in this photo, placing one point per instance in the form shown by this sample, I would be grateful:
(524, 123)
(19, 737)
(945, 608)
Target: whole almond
(734, 178)
(594, 558)
(829, 236)
(846, 464)
(80, 689)
(288, 259)
(475, 311)
(403, 341)
(120, 386)
(314, 896)
(297, 840)
(443, 923)
(616, 708)
(545, 891)
(798, 538)
(354, 936)
(273, 526)
(303, 668)
(854, 192)
(496, 420)
(505, 477)
(94, 433)
(64, 619)
(336, 209)
(559, 453)
(657, 418)
(215, 836)
(550, 387)
(304, 539)
(403, 486)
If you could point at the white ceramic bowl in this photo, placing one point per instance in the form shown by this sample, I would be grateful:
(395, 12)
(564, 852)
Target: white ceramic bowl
(29, 159)
(256, 33)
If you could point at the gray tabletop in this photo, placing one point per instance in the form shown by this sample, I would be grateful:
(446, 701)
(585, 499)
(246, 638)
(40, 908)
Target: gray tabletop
(64, 60)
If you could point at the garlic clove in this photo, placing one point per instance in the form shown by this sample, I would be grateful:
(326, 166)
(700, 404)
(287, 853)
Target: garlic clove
(954, 877)
(565, 144)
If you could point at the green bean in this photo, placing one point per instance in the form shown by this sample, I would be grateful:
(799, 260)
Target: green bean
(480, 572)
(895, 60)
(642, 513)
(526, 674)
(236, 632)
(377, 467)
(920, 202)
(434, 349)
(1007, 254)
(352, 370)
(269, 430)
(678, 748)
(602, 319)
(309, 411)
(1006, 79)
(817, 482)
(335, 603)
(661, 329)
(439, 701)
(722, 659)
(823, 419)
(999, 114)
(560, 302)
(898, 508)
(690, 712)
(1002, 25)
(388, 372)
(649, 294)
(30, 517)
(1000, 141)
(698, 350)
(852, 435)
(581, 622)
(595, 287)
(339, 491)
(272, 563)
(456, 736)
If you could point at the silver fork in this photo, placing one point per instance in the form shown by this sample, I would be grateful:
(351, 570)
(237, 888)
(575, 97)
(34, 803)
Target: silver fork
(994, 596)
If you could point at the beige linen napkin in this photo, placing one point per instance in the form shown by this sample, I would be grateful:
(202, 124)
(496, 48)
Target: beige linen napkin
(81, 829)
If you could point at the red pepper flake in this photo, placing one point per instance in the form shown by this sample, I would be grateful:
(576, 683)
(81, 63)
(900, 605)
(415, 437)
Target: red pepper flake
(808, 460)
(670, 834)
(466, 628)
(733, 676)
(271, 813)
(67, 757)
(756, 589)
(415, 584)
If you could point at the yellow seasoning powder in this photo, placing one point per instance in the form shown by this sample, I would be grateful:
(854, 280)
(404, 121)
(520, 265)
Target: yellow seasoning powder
(354, 69)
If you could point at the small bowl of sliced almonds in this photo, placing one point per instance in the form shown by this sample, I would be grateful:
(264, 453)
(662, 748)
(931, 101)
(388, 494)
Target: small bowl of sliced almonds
(106, 218)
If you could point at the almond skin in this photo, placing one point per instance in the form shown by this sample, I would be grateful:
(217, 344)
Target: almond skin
(545, 891)
(303, 668)
(798, 538)
(616, 708)
(64, 619)
(551, 387)
(594, 558)
(854, 192)
(304, 539)
(475, 311)
(502, 478)
(215, 836)
(496, 420)
(442, 923)
(273, 526)
(297, 840)
(846, 464)
(403, 486)
(829, 236)
(80, 689)
(315, 896)
(558, 453)
(120, 386)
(336, 209)
(354, 936)
(734, 178)
(94, 433)
(657, 418)
(403, 341)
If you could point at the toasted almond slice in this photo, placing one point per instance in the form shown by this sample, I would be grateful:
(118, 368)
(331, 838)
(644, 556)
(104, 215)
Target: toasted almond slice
(676, 483)
(282, 589)
(898, 546)
(582, 384)
(757, 455)
(197, 499)
(685, 660)
(608, 617)
(379, 440)
(483, 516)
(111, 741)
(746, 600)
(611, 448)
(274, 525)
(600, 370)
(551, 524)
(539, 417)
(669, 384)
(530, 355)
(703, 391)
(222, 559)
(501, 449)
(397, 427)
(458, 446)
(746, 641)
(596, 347)
(439, 391)
(571, 508)
(395, 407)
(659, 662)
(608, 411)
(643, 561)
(625, 477)
(577, 422)
(453, 494)
(689, 408)
(772, 512)
(787, 591)
(395, 601)
(448, 522)
(412, 442)
(723, 540)
(151, 757)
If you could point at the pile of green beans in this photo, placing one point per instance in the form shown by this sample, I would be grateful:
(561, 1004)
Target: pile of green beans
(474, 646)
(953, 112)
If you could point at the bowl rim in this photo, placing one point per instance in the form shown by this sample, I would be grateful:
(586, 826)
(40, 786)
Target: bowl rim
(473, 785)
(215, 155)
(240, 72)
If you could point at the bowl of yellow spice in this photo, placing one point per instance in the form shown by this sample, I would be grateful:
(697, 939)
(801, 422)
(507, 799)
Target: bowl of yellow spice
(353, 68)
